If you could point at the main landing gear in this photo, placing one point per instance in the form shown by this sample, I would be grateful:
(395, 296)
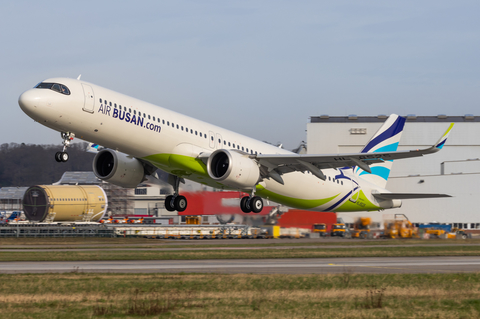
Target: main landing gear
(67, 139)
(251, 204)
(175, 202)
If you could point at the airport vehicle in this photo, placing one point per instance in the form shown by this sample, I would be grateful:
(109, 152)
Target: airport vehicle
(138, 138)
(361, 228)
(400, 227)
(320, 228)
(436, 230)
(340, 230)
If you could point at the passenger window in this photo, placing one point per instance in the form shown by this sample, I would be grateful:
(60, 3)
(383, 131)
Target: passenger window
(173, 125)
(158, 120)
(232, 145)
(200, 134)
(224, 143)
(135, 112)
(182, 128)
(238, 147)
(219, 141)
(168, 123)
(111, 104)
(247, 150)
(228, 143)
(243, 148)
(163, 121)
(212, 138)
(148, 116)
(154, 118)
(177, 126)
(205, 135)
(144, 115)
(100, 100)
(196, 133)
(191, 131)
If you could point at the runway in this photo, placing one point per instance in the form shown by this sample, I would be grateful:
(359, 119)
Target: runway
(370, 265)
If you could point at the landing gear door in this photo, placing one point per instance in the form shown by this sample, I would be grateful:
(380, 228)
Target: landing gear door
(89, 103)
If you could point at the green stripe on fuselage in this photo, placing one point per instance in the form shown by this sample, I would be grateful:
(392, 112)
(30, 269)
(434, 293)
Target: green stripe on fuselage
(362, 204)
(194, 169)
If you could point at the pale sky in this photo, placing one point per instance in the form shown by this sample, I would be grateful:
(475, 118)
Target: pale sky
(260, 68)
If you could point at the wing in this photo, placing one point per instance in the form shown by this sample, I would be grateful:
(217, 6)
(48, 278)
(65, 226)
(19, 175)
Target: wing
(278, 164)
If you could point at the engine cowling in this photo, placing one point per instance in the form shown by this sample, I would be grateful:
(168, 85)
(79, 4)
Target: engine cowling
(233, 169)
(118, 168)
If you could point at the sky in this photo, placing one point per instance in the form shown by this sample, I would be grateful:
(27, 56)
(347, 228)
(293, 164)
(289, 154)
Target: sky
(260, 68)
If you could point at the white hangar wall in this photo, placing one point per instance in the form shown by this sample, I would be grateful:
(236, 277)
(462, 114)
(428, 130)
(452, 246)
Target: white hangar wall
(459, 161)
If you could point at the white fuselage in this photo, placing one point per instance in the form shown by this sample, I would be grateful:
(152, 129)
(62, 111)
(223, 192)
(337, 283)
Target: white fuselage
(164, 137)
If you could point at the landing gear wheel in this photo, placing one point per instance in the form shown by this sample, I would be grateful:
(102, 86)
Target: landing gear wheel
(64, 156)
(169, 203)
(180, 203)
(256, 203)
(245, 205)
(58, 157)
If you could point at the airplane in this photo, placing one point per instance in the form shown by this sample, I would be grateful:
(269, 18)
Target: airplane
(138, 138)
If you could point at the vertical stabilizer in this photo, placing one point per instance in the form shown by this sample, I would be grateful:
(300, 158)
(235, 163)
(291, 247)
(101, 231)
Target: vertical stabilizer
(386, 139)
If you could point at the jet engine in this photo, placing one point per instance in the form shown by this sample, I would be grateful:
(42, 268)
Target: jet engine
(233, 169)
(118, 168)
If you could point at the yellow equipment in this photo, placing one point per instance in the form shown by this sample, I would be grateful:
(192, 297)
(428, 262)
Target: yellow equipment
(48, 203)
(400, 228)
(193, 220)
(339, 229)
(361, 228)
(321, 229)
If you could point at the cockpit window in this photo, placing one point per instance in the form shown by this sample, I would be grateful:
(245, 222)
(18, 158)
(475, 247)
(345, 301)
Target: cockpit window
(60, 88)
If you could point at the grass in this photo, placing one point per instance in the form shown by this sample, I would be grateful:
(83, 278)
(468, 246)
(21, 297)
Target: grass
(374, 251)
(347, 295)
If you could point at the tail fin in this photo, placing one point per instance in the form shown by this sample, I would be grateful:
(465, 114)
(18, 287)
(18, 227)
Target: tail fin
(385, 140)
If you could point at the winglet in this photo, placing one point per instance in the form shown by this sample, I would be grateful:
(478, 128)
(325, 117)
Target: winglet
(443, 139)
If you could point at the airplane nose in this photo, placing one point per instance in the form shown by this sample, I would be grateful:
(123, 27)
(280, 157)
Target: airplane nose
(29, 101)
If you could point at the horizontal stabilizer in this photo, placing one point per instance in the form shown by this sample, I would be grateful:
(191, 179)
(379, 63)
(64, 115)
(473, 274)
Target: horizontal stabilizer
(408, 195)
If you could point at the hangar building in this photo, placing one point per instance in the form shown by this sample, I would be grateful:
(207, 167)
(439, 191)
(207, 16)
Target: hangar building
(455, 170)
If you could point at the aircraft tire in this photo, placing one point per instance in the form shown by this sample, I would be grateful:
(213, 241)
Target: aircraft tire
(58, 157)
(168, 203)
(64, 156)
(256, 203)
(244, 205)
(180, 203)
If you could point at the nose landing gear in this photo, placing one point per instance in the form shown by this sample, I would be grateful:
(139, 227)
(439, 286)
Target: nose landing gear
(67, 139)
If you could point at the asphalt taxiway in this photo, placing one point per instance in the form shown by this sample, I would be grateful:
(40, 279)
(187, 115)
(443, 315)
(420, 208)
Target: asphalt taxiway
(377, 265)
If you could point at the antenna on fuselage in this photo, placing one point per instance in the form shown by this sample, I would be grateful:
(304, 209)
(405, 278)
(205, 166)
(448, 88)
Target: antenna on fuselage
(79, 77)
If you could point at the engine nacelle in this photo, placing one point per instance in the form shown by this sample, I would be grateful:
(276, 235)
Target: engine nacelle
(118, 168)
(233, 169)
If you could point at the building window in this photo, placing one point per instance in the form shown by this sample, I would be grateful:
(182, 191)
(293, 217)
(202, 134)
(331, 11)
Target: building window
(140, 191)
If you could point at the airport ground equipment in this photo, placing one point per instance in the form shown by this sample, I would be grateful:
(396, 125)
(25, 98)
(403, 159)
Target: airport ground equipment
(54, 203)
(25, 229)
(361, 228)
(188, 231)
(320, 228)
(340, 230)
(400, 227)
(436, 230)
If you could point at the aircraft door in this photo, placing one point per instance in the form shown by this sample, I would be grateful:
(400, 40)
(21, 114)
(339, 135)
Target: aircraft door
(211, 138)
(219, 140)
(89, 102)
